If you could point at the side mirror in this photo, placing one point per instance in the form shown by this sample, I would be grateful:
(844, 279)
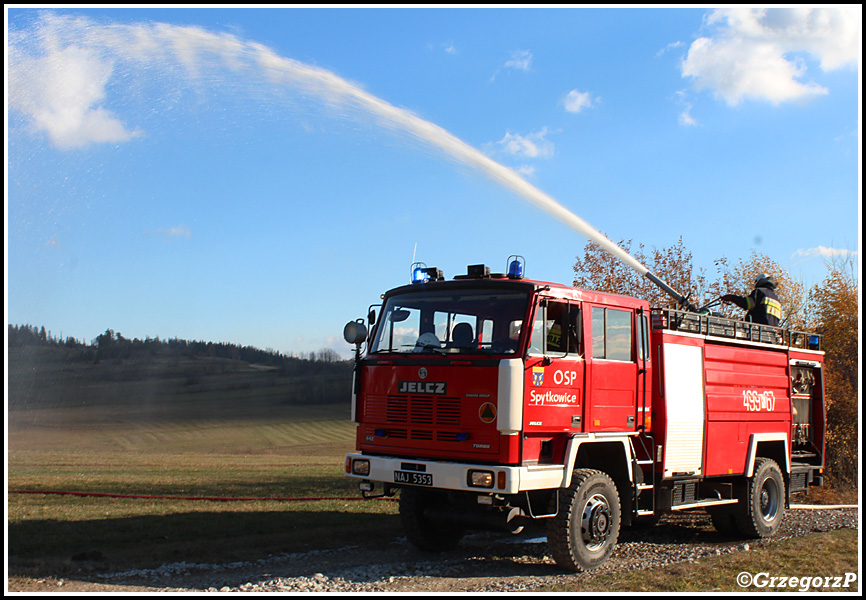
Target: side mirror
(355, 332)
(399, 315)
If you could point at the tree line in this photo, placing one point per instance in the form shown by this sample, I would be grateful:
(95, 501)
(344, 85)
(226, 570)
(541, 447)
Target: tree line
(113, 345)
(830, 308)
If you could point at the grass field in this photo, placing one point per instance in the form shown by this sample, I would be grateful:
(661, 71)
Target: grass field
(69, 535)
(182, 427)
(301, 458)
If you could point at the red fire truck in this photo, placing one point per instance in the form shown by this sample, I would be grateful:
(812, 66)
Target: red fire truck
(490, 400)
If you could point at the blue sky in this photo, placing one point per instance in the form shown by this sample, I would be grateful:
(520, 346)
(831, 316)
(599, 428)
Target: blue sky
(218, 174)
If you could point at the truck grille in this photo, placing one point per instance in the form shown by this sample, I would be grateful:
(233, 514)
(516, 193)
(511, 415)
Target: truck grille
(423, 434)
(414, 410)
(430, 426)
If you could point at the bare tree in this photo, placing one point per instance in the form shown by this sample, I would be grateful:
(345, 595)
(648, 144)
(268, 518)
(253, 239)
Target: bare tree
(599, 270)
(740, 279)
(836, 310)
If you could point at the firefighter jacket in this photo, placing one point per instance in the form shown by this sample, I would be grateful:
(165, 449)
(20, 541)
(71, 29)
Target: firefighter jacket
(762, 306)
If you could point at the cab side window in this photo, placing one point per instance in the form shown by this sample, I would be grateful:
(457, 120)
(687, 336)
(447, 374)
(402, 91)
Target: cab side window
(563, 319)
(611, 334)
(536, 344)
(556, 329)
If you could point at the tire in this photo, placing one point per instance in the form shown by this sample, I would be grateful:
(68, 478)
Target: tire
(424, 533)
(585, 530)
(761, 507)
(723, 520)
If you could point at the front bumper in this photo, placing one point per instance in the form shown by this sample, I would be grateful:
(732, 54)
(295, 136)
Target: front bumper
(448, 475)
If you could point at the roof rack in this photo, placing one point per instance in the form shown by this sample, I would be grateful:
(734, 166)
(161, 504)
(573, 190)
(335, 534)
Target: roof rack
(735, 329)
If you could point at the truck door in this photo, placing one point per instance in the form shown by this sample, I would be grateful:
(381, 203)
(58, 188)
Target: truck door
(554, 369)
(612, 370)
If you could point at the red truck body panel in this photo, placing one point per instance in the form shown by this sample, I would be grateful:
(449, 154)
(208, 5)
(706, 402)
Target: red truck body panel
(746, 396)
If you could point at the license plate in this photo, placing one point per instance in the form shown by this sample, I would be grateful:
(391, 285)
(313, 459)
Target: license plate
(413, 478)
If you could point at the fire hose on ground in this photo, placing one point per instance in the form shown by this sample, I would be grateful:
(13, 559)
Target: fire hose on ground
(157, 497)
(302, 499)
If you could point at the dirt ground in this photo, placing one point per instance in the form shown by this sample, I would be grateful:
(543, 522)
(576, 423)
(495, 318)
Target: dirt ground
(485, 562)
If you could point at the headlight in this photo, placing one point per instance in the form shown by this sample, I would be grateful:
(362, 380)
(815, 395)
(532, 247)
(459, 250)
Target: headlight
(361, 467)
(482, 479)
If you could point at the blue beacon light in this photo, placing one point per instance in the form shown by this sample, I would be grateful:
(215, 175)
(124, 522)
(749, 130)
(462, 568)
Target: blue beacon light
(515, 267)
(420, 273)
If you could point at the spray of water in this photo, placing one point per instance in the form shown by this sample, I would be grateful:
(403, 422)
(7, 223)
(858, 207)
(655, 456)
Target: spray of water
(60, 66)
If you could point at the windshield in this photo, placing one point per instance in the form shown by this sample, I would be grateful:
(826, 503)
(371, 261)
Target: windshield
(451, 321)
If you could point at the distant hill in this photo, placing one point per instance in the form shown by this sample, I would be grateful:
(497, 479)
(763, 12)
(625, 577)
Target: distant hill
(118, 379)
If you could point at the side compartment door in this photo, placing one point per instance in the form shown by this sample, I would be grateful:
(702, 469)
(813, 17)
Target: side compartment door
(612, 370)
(685, 416)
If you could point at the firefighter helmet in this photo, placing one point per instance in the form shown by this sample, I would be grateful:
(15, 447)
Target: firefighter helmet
(764, 280)
(428, 340)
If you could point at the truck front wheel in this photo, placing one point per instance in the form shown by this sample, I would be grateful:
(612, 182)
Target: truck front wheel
(585, 529)
(423, 532)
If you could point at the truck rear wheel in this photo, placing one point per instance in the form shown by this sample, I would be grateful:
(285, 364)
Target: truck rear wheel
(585, 529)
(423, 532)
(761, 508)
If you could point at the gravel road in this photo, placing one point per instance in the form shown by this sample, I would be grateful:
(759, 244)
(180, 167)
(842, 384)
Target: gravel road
(485, 562)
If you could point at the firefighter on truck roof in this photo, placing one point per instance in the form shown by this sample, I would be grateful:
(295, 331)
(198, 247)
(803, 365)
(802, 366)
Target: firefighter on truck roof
(762, 305)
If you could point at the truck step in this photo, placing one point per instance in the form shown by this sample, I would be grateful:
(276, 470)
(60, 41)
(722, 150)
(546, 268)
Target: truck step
(800, 466)
(803, 454)
(704, 502)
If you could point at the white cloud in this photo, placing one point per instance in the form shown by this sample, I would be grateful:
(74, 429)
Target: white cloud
(520, 60)
(575, 101)
(738, 70)
(824, 252)
(61, 93)
(533, 145)
(670, 46)
(175, 232)
(447, 46)
(759, 53)
(686, 119)
(830, 34)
